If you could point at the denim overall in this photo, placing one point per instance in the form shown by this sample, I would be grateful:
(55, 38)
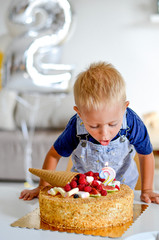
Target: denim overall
(119, 154)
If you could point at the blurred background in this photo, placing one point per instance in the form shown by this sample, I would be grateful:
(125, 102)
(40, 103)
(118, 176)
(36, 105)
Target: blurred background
(124, 33)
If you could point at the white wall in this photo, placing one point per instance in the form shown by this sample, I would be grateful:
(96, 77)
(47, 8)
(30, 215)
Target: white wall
(119, 32)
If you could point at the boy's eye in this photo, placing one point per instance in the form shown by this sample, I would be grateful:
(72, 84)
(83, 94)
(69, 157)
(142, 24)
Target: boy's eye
(93, 126)
(113, 125)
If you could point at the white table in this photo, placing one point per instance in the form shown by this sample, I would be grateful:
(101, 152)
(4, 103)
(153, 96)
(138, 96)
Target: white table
(11, 209)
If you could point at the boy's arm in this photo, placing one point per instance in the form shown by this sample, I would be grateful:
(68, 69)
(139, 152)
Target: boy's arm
(147, 166)
(50, 163)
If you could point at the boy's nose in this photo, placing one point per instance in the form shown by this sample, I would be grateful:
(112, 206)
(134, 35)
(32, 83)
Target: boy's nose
(104, 132)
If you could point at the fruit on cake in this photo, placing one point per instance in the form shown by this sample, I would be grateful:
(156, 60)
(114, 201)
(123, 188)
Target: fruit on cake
(83, 201)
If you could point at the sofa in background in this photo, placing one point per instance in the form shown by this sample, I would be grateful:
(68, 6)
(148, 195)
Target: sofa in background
(49, 115)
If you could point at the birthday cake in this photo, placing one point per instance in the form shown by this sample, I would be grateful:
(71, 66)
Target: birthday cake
(83, 201)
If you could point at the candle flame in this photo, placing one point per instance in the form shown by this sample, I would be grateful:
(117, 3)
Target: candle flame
(106, 164)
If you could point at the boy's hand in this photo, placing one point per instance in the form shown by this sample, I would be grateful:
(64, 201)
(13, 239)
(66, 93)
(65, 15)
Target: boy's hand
(149, 196)
(29, 194)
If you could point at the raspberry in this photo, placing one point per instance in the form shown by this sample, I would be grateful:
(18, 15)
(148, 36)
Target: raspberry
(104, 193)
(67, 188)
(102, 179)
(81, 175)
(87, 189)
(99, 187)
(90, 173)
(73, 184)
(94, 183)
(82, 180)
(95, 177)
(116, 186)
(96, 174)
(75, 179)
(81, 187)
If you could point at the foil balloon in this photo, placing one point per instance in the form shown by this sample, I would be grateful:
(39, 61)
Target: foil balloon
(32, 59)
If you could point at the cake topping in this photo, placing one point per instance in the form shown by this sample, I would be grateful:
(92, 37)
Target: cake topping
(91, 184)
(95, 193)
(115, 184)
(89, 179)
(104, 192)
(83, 194)
(55, 190)
(76, 196)
(73, 184)
(72, 192)
(67, 188)
(87, 189)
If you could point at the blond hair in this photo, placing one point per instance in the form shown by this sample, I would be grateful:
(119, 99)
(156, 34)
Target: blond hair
(101, 83)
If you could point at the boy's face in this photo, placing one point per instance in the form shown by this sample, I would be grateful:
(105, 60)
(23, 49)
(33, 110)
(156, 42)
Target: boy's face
(103, 124)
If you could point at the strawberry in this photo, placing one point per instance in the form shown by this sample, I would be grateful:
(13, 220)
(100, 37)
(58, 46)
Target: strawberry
(67, 188)
(73, 184)
(87, 189)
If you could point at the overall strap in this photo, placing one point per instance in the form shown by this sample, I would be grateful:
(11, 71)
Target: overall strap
(80, 127)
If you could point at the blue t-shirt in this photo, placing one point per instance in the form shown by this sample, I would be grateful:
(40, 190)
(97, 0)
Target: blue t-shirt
(136, 133)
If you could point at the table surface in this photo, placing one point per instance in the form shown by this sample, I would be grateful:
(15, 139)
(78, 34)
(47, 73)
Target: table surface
(12, 208)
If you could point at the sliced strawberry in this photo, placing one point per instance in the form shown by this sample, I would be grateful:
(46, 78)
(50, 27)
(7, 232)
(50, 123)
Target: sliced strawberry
(94, 191)
(109, 188)
(116, 186)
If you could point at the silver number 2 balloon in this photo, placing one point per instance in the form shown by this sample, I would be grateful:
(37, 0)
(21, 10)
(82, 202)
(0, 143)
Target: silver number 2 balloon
(32, 59)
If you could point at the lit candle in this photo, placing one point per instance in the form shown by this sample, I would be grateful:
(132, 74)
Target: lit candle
(107, 173)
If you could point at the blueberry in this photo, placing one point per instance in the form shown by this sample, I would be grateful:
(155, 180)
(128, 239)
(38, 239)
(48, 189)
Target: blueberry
(76, 196)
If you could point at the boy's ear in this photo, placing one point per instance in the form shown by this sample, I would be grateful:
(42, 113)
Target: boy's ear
(127, 104)
(77, 110)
